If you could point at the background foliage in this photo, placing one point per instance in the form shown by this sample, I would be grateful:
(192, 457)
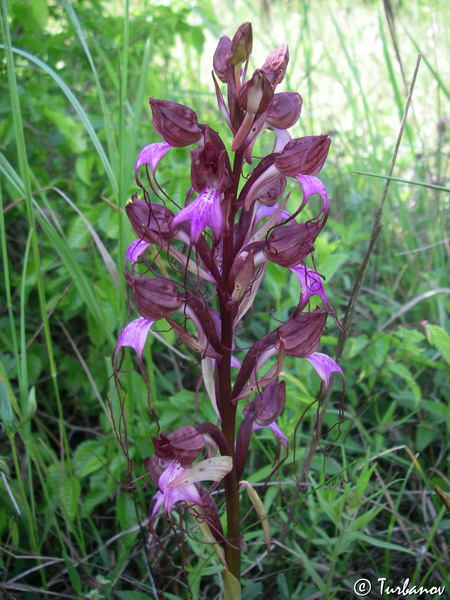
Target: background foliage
(73, 114)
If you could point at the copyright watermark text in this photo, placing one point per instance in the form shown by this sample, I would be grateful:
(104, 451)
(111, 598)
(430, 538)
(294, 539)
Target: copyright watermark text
(363, 587)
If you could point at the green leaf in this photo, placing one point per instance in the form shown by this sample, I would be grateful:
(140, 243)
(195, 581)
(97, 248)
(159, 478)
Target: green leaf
(126, 595)
(73, 574)
(373, 541)
(252, 590)
(403, 372)
(77, 234)
(331, 264)
(69, 128)
(83, 167)
(30, 409)
(31, 15)
(425, 435)
(363, 520)
(88, 457)
(69, 495)
(440, 339)
(7, 400)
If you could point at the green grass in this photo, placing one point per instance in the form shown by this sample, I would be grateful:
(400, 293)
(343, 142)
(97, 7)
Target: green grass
(78, 75)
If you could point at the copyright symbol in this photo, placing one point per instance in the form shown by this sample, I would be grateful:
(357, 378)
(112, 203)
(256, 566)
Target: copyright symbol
(362, 587)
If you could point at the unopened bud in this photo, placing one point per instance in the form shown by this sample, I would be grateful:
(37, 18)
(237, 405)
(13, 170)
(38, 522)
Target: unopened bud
(243, 273)
(276, 64)
(256, 94)
(242, 44)
(284, 110)
(301, 335)
(268, 405)
(222, 58)
(155, 297)
(304, 156)
(175, 123)
(289, 245)
(209, 163)
(150, 221)
(184, 445)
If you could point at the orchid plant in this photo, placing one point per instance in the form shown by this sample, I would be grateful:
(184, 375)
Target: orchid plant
(217, 248)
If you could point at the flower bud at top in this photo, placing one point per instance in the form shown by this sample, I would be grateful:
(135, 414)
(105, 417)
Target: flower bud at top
(256, 94)
(304, 155)
(175, 123)
(276, 64)
(284, 110)
(155, 297)
(222, 58)
(150, 221)
(242, 44)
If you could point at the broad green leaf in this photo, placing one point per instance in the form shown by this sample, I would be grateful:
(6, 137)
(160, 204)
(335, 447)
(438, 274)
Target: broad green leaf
(332, 264)
(88, 457)
(440, 339)
(425, 435)
(69, 495)
(32, 15)
(69, 128)
(402, 371)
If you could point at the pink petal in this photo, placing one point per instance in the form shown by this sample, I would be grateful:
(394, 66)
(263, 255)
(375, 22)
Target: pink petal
(313, 185)
(277, 432)
(159, 500)
(204, 211)
(324, 366)
(311, 284)
(135, 250)
(134, 335)
(151, 155)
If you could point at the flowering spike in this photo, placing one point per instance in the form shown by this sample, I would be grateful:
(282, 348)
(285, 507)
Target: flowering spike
(218, 247)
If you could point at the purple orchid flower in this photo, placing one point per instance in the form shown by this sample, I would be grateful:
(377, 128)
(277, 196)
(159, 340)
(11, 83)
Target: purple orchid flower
(177, 484)
(203, 212)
